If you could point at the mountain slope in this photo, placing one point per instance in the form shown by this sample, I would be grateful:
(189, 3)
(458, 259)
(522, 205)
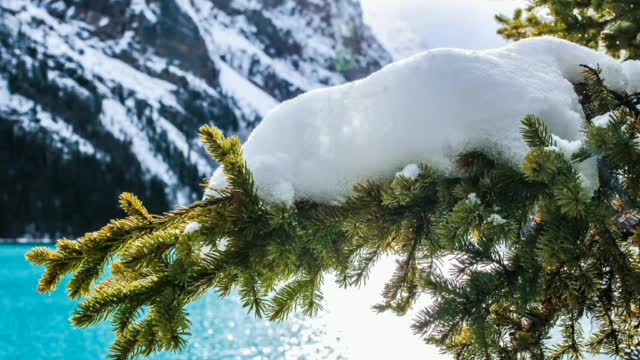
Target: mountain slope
(99, 97)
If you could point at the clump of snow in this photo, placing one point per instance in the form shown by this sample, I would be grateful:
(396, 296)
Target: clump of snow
(410, 171)
(587, 170)
(192, 227)
(104, 21)
(602, 120)
(566, 147)
(472, 199)
(425, 109)
(496, 219)
(283, 191)
(631, 69)
(222, 244)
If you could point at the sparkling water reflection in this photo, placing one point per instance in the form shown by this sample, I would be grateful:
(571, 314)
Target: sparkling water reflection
(37, 327)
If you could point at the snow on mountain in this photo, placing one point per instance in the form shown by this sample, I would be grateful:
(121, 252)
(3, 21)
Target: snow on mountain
(125, 84)
(425, 109)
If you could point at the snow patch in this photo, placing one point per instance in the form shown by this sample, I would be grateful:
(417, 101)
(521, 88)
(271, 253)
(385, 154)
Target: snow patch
(496, 219)
(472, 199)
(192, 227)
(566, 147)
(114, 118)
(587, 170)
(245, 92)
(283, 191)
(631, 69)
(222, 244)
(141, 7)
(410, 171)
(602, 120)
(424, 109)
(61, 40)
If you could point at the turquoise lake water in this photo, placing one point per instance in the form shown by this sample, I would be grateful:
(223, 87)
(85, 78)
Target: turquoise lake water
(36, 327)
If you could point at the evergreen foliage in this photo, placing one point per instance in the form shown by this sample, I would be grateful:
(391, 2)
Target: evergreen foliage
(610, 24)
(529, 249)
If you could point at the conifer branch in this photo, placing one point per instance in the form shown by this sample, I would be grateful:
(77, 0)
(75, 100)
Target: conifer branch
(530, 248)
(535, 132)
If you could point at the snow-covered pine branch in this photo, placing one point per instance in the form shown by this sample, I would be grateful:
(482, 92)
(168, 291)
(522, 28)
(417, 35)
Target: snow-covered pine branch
(426, 108)
(512, 144)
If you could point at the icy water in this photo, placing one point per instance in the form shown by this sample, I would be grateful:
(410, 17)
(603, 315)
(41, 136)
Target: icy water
(37, 327)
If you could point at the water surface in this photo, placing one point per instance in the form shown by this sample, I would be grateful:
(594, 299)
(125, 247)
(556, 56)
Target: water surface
(35, 327)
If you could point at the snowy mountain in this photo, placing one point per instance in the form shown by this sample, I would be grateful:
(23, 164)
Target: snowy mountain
(99, 97)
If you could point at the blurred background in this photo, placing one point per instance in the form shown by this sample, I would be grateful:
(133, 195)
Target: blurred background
(98, 97)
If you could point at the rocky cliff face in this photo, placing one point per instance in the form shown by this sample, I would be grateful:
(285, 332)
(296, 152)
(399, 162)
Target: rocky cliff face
(99, 97)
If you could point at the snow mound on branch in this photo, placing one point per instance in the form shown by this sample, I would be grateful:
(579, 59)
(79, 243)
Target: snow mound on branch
(410, 171)
(424, 109)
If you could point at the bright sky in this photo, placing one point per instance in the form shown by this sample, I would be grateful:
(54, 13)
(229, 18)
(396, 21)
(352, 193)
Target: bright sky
(409, 26)
(366, 335)
(406, 27)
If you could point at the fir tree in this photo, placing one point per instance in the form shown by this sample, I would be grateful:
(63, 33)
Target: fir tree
(533, 249)
(613, 25)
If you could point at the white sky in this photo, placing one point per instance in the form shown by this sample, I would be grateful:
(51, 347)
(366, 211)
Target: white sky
(367, 335)
(409, 26)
